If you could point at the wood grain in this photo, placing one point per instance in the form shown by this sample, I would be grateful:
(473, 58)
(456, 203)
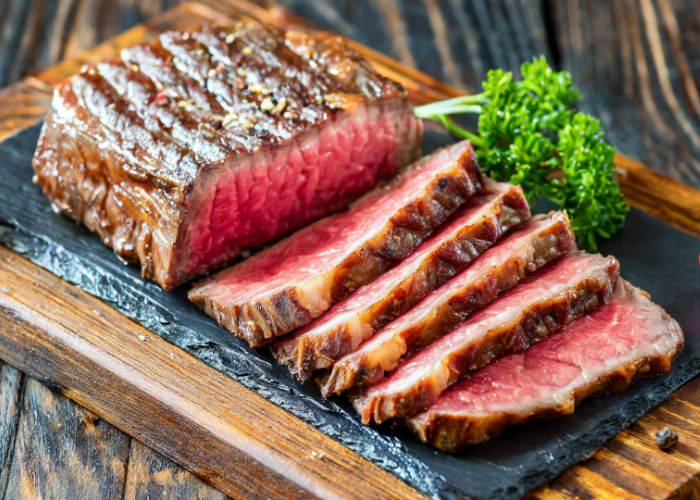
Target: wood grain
(490, 34)
(11, 388)
(64, 451)
(22, 105)
(151, 475)
(631, 466)
(636, 61)
(230, 436)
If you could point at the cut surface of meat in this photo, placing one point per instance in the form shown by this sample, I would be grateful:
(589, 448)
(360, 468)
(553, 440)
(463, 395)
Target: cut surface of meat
(541, 240)
(472, 229)
(554, 296)
(192, 148)
(297, 279)
(626, 338)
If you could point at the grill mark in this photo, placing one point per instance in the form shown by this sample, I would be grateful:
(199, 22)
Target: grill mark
(191, 58)
(167, 116)
(289, 76)
(226, 97)
(161, 159)
(272, 71)
(286, 75)
(155, 62)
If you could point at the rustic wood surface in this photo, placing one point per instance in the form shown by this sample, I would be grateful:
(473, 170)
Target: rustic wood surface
(47, 443)
(235, 439)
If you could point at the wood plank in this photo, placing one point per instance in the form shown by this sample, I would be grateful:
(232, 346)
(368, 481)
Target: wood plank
(632, 466)
(64, 451)
(151, 475)
(169, 400)
(22, 105)
(633, 60)
(11, 386)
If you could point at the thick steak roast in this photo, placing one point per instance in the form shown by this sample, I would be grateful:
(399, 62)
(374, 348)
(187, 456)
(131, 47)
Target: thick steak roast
(541, 240)
(473, 229)
(192, 148)
(629, 337)
(297, 279)
(554, 296)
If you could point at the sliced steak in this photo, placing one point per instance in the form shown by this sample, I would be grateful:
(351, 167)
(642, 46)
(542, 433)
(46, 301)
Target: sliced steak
(473, 229)
(294, 281)
(196, 146)
(541, 240)
(563, 291)
(629, 337)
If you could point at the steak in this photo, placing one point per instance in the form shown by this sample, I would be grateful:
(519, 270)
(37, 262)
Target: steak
(556, 295)
(190, 149)
(541, 240)
(473, 229)
(294, 281)
(605, 351)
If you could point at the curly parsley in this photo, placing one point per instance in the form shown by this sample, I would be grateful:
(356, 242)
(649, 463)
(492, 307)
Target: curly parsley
(531, 134)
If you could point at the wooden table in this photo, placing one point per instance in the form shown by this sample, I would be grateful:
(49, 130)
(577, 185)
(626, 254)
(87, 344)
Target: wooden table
(637, 63)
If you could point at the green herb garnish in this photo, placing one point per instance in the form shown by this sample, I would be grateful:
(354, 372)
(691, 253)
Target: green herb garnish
(531, 134)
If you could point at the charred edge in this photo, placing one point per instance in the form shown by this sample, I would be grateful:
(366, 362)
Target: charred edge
(536, 325)
(509, 212)
(407, 230)
(545, 249)
(453, 433)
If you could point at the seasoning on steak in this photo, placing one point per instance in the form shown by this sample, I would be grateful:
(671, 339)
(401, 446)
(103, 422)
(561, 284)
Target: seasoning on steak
(294, 281)
(625, 339)
(473, 229)
(541, 240)
(192, 148)
(556, 295)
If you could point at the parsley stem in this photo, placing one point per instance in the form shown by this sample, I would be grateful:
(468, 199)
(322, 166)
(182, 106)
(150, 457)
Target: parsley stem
(456, 105)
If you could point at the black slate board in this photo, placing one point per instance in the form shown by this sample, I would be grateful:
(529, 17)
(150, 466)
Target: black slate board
(653, 255)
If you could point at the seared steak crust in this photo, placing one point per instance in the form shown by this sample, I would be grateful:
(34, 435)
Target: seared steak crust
(541, 240)
(472, 230)
(198, 145)
(626, 339)
(294, 281)
(553, 297)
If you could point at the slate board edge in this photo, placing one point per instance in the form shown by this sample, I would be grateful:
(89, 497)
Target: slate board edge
(385, 451)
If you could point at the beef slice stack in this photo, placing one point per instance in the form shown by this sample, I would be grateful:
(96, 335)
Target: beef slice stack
(439, 300)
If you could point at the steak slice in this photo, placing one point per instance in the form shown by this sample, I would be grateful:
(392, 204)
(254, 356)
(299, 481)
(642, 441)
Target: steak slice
(190, 149)
(473, 229)
(629, 337)
(294, 281)
(574, 285)
(541, 240)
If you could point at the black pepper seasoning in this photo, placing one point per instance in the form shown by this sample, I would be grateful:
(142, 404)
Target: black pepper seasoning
(666, 438)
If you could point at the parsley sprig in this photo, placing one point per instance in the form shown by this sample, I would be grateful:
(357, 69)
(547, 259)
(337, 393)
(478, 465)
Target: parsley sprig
(529, 133)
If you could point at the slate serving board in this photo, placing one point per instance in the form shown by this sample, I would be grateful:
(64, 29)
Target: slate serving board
(653, 255)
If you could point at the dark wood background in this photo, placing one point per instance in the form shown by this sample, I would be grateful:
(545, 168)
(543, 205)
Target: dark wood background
(637, 62)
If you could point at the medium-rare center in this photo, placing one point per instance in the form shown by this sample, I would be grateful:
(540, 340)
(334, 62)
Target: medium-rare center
(297, 279)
